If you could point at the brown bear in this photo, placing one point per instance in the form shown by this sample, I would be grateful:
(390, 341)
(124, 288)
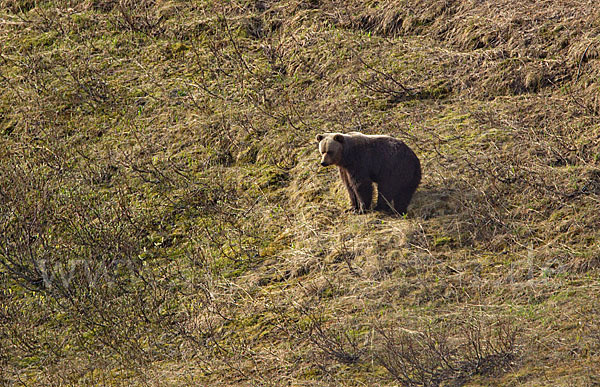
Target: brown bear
(364, 160)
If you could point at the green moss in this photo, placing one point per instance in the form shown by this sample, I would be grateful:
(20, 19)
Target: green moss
(443, 241)
(45, 39)
(439, 90)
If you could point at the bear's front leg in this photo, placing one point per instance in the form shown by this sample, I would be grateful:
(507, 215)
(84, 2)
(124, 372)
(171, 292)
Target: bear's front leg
(351, 194)
(364, 196)
(354, 205)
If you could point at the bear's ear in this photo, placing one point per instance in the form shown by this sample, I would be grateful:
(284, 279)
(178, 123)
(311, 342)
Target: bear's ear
(339, 138)
(320, 137)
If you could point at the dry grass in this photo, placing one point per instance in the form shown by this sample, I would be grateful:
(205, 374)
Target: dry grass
(164, 221)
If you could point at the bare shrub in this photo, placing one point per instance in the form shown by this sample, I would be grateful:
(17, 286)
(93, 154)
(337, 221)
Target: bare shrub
(447, 351)
(334, 340)
(97, 261)
(140, 16)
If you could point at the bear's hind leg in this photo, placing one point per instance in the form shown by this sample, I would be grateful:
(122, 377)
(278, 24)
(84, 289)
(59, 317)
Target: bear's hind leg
(384, 200)
(402, 200)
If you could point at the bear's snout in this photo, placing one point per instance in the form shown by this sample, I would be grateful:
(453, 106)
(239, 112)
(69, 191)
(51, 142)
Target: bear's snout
(324, 163)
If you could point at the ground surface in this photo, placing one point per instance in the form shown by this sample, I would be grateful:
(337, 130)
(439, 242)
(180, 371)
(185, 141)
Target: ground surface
(164, 220)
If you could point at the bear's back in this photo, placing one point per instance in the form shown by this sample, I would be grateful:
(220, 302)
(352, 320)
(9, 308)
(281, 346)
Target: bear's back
(379, 142)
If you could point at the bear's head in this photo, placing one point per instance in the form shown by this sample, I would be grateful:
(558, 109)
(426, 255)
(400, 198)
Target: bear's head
(331, 147)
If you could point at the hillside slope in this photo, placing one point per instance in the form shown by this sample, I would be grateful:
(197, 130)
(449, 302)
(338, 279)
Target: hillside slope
(164, 220)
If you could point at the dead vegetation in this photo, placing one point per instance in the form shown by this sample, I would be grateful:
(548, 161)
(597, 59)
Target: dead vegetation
(164, 221)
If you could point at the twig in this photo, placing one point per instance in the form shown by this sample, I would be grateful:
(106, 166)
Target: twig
(581, 59)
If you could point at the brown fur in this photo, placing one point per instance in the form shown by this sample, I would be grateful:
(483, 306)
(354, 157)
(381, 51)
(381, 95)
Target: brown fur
(363, 160)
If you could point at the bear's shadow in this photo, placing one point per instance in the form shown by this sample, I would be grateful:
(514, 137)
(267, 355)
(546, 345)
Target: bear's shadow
(433, 202)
